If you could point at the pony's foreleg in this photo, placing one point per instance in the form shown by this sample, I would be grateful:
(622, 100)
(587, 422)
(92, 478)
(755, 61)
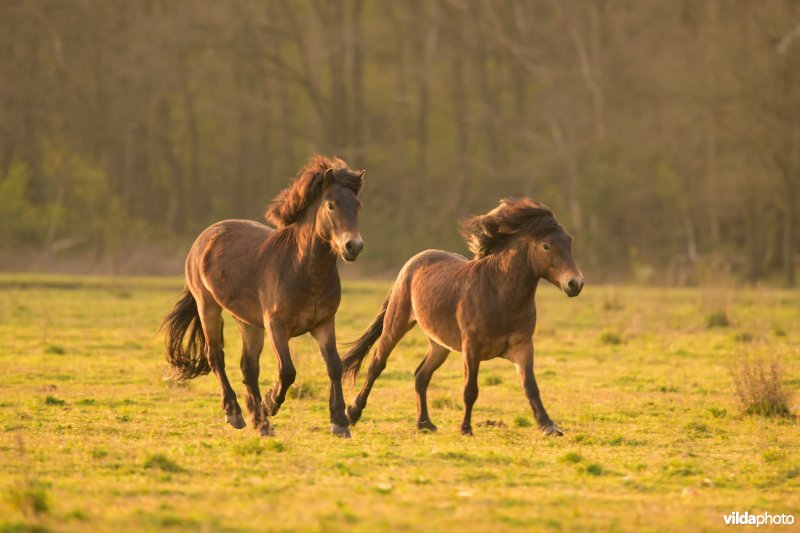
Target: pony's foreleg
(325, 335)
(522, 356)
(252, 344)
(279, 338)
(211, 318)
(471, 365)
(437, 354)
(393, 331)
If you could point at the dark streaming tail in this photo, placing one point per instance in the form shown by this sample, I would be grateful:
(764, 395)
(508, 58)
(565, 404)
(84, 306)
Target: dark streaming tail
(187, 361)
(352, 361)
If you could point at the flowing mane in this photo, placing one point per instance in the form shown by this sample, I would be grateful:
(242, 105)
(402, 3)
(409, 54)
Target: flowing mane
(288, 206)
(486, 234)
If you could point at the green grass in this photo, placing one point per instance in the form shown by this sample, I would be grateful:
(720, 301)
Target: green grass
(92, 438)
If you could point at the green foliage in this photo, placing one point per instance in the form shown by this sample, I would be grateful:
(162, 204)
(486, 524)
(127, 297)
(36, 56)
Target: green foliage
(609, 337)
(594, 469)
(571, 457)
(717, 319)
(492, 380)
(21, 221)
(159, 461)
(303, 390)
(52, 400)
(522, 422)
(99, 453)
(445, 403)
(113, 138)
(30, 497)
(257, 446)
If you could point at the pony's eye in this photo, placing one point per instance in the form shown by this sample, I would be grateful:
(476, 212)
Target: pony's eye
(331, 206)
(546, 247)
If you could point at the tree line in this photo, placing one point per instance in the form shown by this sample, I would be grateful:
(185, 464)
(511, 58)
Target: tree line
(663, 134)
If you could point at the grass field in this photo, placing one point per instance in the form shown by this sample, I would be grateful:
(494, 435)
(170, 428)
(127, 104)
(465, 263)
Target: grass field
(93, 438)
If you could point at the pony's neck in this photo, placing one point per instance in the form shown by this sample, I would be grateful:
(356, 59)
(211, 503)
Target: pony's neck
(514, 277)
(313, 250)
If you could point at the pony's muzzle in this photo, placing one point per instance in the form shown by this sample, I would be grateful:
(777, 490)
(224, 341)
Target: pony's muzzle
(573, 286)
(352, 249)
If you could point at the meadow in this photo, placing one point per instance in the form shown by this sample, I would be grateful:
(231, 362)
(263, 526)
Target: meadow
(93, 438)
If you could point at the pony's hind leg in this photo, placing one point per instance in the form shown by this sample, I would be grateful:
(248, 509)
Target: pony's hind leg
(252, 344)
(211, 317)
(396, 324)
(437, 354)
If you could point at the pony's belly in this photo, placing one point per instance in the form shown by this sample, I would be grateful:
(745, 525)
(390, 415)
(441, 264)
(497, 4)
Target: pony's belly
(441, 342)
(452, 341)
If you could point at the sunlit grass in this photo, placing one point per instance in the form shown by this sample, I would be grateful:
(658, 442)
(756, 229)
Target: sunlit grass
(111, 445)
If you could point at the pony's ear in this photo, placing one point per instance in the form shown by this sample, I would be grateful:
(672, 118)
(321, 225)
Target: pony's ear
(360, 181)
(328, 178)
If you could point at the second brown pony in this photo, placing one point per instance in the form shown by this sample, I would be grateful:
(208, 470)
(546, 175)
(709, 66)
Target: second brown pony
(483, 308)
(283, 281)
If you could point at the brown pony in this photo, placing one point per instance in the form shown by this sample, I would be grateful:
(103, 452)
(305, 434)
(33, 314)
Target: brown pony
(484, 307)
(283, 280)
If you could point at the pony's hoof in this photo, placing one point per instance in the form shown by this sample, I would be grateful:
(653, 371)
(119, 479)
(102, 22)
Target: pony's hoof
(269, 405)
(426, 425)
(266, 431)
(236, 420)
(467, 432)
(352, 415)
(340, 431)
(552, 430)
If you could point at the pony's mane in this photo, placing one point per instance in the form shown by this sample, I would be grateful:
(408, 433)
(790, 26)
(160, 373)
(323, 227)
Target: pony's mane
(489, 233)
(288, 206)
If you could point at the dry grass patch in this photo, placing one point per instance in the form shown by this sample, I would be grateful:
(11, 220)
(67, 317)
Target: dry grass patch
(759, 387)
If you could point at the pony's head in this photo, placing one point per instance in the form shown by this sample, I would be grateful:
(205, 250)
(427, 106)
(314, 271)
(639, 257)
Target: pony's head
(332, 188)
(531, 227)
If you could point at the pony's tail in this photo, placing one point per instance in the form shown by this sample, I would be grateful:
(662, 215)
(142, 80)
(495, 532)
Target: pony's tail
(187, 361)
(351, 362)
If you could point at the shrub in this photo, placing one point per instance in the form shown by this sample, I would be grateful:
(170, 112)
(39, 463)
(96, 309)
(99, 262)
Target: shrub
(159, 461)
(759, 387)
(609, 337)
(258, 446)
(717, 319)
(522, 422)
(302, 391)
(594, 469)
(492, 380)
(29, 497)
(571, 457)
(445, 403)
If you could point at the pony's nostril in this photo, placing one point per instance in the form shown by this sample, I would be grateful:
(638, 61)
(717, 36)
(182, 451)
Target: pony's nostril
(353, 247)
(573, 285)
